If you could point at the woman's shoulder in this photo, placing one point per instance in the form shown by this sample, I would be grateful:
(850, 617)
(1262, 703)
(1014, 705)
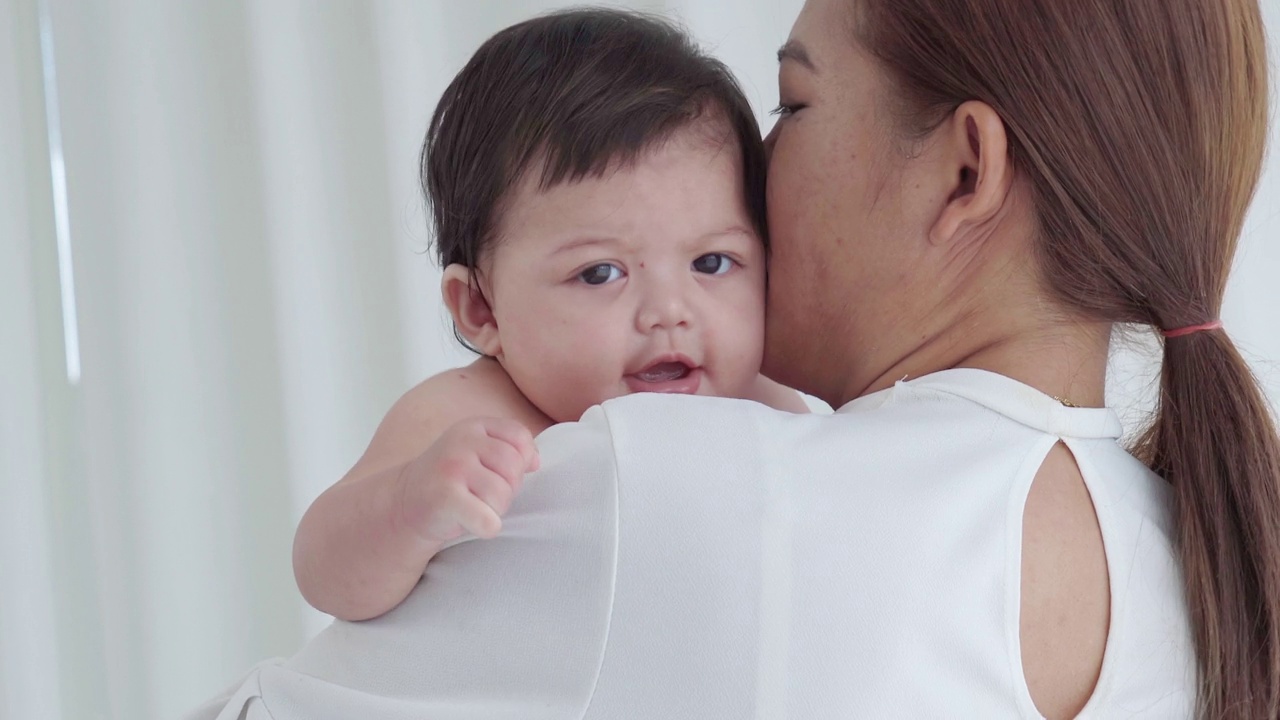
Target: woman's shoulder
(886, 423)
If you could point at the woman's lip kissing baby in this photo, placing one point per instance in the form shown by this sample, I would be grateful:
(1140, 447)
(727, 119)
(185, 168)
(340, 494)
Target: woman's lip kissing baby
(669, 373)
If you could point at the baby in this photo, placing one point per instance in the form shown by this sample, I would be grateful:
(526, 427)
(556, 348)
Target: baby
(597, 186)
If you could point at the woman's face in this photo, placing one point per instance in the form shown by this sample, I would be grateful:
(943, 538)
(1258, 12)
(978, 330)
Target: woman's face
(848, 216)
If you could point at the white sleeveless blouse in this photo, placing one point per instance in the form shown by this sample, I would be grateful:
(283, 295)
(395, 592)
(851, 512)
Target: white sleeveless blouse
(684, 557)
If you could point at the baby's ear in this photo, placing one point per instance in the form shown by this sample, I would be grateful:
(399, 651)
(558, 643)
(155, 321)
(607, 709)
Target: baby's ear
(471, 312)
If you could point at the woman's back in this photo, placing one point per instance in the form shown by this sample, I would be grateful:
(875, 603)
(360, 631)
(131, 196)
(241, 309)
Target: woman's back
(912, 608)
(695, 557)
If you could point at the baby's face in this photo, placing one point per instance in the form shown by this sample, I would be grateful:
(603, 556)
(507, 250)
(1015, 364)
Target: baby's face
(649, 279)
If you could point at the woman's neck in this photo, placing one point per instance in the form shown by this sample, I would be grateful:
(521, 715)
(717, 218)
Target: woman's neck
(1062, 357)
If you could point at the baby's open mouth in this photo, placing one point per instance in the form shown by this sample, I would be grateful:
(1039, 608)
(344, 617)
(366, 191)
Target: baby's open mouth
(664, 372)
(671, 374)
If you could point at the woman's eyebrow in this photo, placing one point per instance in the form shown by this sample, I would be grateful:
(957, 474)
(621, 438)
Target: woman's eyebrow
(794, 50)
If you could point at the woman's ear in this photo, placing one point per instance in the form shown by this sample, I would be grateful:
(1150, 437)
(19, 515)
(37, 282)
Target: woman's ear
(470, 310)
(977, 149)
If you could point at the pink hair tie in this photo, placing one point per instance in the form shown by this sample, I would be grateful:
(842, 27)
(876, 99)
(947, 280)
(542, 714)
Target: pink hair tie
(1192, 329)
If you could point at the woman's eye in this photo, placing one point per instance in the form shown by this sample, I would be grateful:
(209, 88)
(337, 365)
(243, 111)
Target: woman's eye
(713, 264)
(784, 110)
(600, 274)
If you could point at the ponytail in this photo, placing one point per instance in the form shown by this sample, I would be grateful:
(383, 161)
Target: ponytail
(1214, 439)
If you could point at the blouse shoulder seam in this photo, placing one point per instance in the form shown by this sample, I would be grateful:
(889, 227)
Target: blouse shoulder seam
(613, 574)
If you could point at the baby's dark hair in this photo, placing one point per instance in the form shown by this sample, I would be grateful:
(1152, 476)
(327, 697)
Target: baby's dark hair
(576, 91)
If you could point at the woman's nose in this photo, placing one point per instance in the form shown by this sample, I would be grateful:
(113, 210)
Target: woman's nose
(769, 141)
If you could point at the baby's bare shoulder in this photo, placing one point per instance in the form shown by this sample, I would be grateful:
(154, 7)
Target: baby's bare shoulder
(481, 389)
(482, 378)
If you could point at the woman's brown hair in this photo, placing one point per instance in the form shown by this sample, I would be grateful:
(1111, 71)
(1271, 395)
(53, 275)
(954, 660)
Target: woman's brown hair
(1140, 126)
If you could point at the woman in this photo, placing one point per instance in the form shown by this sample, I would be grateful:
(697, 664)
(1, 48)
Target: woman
(994, 183)
(964, 196)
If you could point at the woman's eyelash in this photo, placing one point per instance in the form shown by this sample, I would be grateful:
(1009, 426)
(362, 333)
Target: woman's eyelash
(784, 109)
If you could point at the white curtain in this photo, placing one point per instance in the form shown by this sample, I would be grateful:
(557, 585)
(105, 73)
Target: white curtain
(204, 317)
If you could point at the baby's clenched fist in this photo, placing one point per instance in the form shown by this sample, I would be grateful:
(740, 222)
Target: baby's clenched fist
(466, 481)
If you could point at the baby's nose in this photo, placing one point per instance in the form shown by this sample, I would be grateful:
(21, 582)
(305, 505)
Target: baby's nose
(663, 310)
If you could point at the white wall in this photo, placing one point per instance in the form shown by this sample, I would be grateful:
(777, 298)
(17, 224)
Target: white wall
(252, 293)
(1252, 311)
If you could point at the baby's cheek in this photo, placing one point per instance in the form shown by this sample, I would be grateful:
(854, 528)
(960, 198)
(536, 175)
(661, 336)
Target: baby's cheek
(564, 395)
(591, 368)
(751, 309)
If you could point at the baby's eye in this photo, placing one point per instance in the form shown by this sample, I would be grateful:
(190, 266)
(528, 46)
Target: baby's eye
(600, 274)
(713, 264)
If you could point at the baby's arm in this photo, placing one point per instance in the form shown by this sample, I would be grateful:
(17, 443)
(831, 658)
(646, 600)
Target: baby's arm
(364, 543)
